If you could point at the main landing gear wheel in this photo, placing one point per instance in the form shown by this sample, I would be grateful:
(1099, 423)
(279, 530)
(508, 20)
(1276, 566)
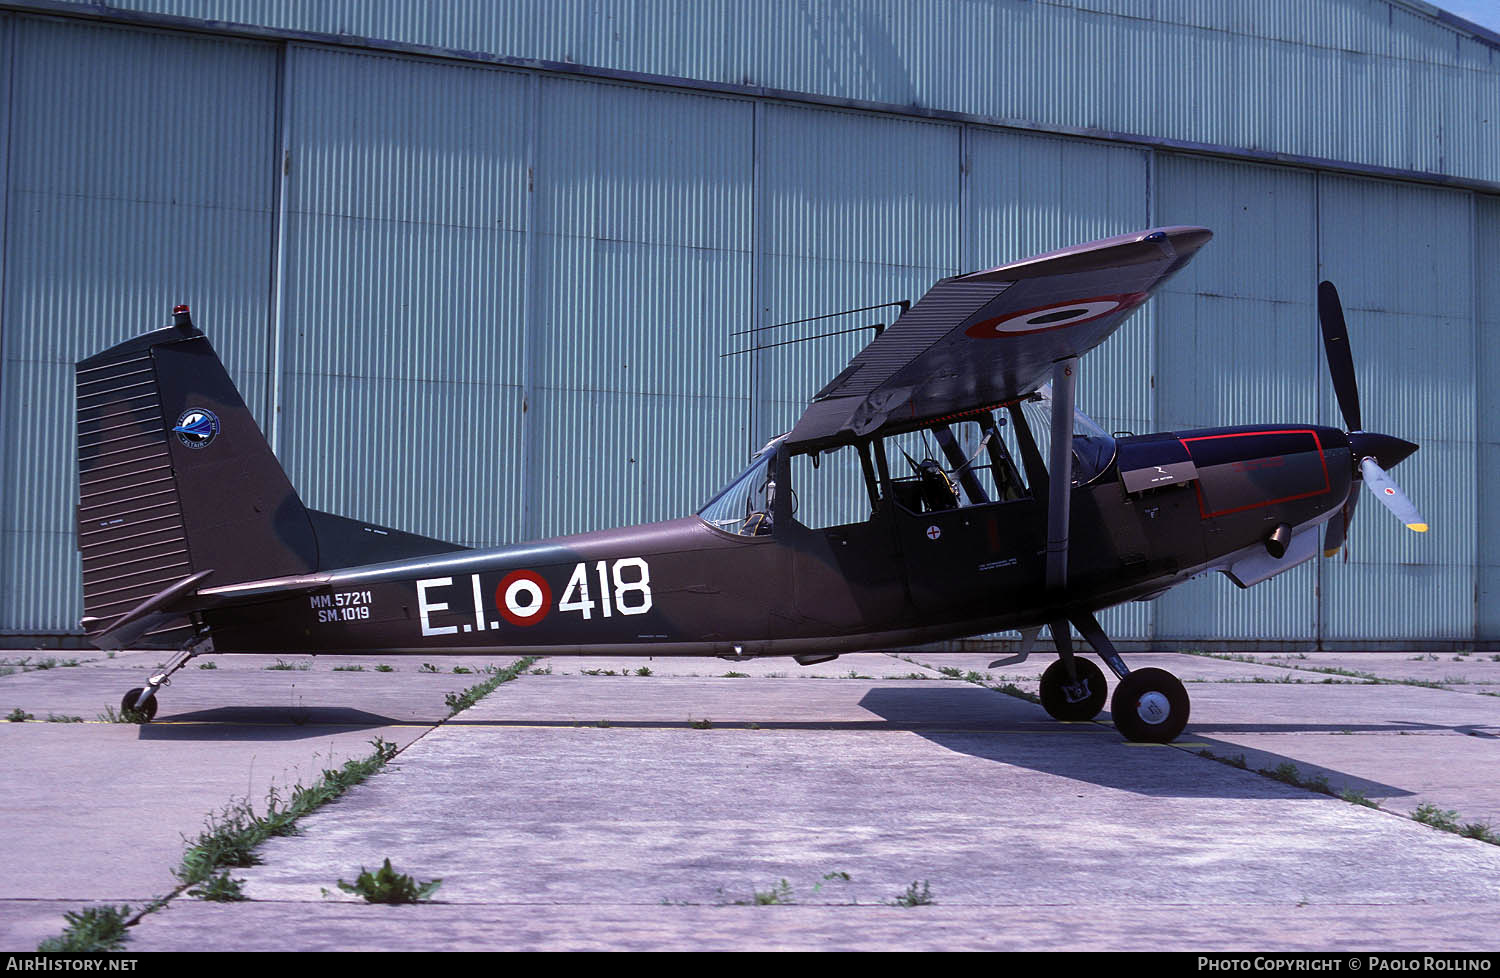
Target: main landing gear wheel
(1150, 706)
(1074, 702)
(127, 704)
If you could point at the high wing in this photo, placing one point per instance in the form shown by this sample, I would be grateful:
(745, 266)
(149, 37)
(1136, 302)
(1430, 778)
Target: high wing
(990, 337)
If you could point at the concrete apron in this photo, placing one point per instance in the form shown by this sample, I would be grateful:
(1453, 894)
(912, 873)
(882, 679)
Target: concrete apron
(578, 810)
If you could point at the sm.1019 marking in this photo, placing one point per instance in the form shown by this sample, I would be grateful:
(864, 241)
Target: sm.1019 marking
(343, 606)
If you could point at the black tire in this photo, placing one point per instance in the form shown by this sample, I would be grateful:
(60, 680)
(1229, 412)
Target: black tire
(1055, 699)
(1150, 706)
(127, 705)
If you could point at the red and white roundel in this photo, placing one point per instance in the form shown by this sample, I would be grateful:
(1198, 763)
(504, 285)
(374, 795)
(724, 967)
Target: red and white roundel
(523, 597)
(1054, 316)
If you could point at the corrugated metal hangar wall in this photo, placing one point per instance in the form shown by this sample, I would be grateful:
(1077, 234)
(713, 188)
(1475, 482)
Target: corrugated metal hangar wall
(473, 269)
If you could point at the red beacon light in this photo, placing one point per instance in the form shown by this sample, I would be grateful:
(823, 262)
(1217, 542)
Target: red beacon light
(182, 317)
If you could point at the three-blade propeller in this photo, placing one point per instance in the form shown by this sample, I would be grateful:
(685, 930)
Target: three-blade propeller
(1373, 453)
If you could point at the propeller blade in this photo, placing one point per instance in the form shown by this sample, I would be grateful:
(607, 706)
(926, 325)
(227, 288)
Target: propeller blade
(1337, 533)
(1340, 359)
(1391, 496)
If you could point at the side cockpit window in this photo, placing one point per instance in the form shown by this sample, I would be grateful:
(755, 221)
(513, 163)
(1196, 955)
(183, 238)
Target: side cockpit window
(951, 466)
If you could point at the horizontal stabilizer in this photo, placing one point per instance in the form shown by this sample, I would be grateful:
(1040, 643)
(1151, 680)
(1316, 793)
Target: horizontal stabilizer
(152, 614)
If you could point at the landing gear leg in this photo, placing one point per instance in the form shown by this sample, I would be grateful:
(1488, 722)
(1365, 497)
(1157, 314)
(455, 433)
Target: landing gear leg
(142, 699)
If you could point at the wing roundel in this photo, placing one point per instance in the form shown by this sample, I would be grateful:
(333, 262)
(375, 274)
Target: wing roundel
(989, 337)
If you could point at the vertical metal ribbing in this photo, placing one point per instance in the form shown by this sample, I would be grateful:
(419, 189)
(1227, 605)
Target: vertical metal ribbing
(7, 45)
(965, 249)
(281, 175)
(1319, 626)
(1153, 363)
(1478, 382)
(758, 411)
(533, 343)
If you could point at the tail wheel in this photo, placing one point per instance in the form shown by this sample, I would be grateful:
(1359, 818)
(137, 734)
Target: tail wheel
(127, 704)
(1074, 702)
(1150, 706)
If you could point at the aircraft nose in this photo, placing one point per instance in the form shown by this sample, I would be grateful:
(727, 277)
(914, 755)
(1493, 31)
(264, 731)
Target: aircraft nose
(1386, 450)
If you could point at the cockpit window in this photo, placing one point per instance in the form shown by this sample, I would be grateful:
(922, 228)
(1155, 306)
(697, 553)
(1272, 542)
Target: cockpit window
(745, 506)
(1093, 447)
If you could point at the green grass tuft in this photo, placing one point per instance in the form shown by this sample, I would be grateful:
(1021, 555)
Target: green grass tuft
(458, 702)
(914, 897)
(780, 894)
(1429, 814)
(385, 885)
(220, 889)
(91, 929)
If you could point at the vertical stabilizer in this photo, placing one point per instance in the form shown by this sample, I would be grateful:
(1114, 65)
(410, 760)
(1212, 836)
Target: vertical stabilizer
(175, 479)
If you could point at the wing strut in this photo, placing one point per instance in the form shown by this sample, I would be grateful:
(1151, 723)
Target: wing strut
(1060, 474)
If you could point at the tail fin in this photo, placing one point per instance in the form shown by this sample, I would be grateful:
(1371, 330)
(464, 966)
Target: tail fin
(175, 480)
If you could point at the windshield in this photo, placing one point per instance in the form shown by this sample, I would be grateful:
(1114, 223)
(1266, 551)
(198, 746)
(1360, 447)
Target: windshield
(745, 506)
(1093, 447)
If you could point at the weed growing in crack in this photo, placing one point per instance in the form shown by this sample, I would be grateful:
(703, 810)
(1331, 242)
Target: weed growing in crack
(458, 702)
(914, 897)
(91, 929)
(220, 889)
(231, 835)
(127, 715)
(779, 894)
(385, 885)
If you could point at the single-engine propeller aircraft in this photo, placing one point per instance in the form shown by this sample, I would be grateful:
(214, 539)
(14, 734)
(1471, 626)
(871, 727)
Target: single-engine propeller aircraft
(193, 539)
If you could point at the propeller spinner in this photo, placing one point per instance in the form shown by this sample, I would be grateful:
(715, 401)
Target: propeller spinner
(1373, 452)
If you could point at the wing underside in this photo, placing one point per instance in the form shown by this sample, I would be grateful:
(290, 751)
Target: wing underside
(990, 337)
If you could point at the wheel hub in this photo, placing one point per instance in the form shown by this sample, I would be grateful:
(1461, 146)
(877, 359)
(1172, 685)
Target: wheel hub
(1153, 707)
(1076, 692)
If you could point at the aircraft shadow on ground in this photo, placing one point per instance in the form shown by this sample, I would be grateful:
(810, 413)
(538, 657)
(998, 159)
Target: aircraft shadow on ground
(984, 723)
(966, 719)
(270, 723)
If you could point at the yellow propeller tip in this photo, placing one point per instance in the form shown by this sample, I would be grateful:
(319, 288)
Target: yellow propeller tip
(1332, 553)
(1419, 527)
